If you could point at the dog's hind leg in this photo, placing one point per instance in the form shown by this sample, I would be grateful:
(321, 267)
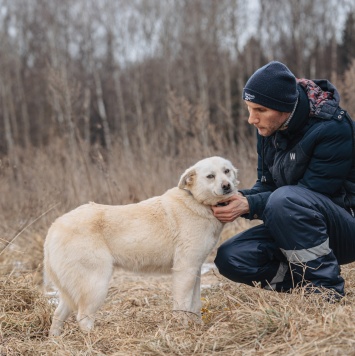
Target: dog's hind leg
(60, 315)
(92, 299)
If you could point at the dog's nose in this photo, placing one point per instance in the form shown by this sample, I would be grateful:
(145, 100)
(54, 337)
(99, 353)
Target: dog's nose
(226, 186)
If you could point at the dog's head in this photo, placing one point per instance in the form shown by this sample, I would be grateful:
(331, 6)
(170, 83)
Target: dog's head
(210, 180)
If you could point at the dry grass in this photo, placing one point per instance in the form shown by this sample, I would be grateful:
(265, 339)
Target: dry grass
(136, 318)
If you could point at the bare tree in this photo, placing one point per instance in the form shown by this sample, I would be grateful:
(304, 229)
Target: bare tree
(106, 69)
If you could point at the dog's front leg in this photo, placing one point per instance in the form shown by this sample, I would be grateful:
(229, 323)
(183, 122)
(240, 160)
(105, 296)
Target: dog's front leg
(185, 284)
(196, 298)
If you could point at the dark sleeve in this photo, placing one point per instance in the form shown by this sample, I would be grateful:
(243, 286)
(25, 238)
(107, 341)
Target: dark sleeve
(258, 195)
(331, 160)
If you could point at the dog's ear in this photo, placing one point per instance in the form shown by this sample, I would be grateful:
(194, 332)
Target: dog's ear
(235, 172)
(187, 178)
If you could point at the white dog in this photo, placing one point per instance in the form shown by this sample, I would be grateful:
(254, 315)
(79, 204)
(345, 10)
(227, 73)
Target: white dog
(174, 233)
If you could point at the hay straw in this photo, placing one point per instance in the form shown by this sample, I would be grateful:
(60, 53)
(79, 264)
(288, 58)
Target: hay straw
(136, 320)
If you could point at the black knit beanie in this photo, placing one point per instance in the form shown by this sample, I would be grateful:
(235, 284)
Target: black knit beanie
(272, 86)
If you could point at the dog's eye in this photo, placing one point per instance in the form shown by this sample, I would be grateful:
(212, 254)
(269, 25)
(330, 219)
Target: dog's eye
(226, 171)
(210, 176)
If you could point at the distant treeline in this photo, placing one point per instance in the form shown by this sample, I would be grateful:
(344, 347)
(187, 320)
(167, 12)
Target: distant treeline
(146, 72)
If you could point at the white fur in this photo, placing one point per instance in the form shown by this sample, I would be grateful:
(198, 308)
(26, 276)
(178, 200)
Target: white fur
(174, 233)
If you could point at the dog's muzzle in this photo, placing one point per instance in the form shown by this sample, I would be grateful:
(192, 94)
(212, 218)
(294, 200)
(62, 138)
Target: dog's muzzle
(226, 188)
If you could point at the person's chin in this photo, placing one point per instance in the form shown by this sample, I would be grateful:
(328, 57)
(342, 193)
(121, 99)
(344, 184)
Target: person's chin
(263, 132)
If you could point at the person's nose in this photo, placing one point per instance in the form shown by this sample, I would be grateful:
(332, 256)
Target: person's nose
(253, 118)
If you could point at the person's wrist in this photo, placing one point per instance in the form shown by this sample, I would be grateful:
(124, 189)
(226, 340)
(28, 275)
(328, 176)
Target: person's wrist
(247, 207)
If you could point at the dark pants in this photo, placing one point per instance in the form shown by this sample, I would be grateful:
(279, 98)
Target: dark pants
(304, 239)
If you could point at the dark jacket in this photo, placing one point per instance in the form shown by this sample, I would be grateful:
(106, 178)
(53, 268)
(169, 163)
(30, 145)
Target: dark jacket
(316, 151)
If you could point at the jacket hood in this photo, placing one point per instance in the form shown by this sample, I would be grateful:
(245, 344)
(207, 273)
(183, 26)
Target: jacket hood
(317, 98)
(323, 97)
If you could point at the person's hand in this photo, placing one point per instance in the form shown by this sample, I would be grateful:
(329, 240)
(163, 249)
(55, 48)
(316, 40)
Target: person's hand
(237, 205)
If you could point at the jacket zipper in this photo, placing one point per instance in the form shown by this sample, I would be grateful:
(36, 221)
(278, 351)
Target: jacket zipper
(348, 206)
(263, 178)
(281, 161)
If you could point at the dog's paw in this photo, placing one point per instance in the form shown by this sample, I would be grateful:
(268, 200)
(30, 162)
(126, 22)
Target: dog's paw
(186, 319)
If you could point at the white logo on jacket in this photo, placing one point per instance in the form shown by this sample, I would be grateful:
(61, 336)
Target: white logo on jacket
(293, 156)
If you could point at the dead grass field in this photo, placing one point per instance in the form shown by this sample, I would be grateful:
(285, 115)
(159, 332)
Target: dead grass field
(136, 318)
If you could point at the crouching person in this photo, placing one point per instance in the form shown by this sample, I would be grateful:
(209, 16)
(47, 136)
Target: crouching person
(305, 191)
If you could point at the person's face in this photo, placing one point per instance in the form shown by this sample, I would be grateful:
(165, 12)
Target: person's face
(266, 120)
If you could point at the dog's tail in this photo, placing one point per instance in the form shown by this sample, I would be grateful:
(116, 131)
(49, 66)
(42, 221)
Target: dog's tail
(51, 279)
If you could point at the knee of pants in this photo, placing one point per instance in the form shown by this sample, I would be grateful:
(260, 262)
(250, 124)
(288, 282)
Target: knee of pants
(242, 260)
(227, 261)
(280, 201)
(222, 257)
